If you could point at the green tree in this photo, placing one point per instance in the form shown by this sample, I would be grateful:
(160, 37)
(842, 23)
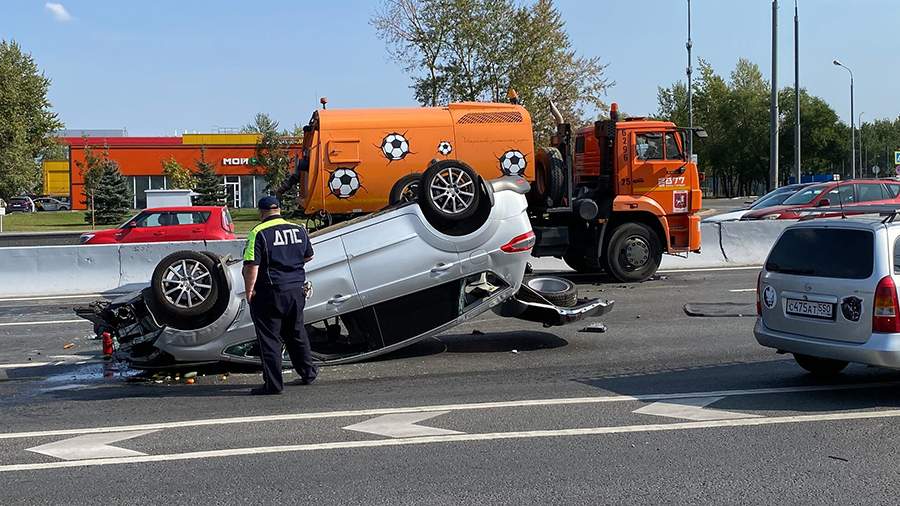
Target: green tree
(454, 51)
(180, 177)
(824, 139)
(26, 121)
(90, 172)
(112, 197)
(273, 158)
(209, 186)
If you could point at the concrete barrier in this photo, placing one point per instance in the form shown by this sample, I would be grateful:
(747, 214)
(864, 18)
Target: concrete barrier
(749, 242)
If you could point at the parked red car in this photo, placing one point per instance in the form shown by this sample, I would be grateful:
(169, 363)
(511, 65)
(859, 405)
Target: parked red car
(165, 224)
(832, 194)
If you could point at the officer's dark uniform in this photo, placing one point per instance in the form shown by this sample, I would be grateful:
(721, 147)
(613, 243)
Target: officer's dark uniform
(280, 249)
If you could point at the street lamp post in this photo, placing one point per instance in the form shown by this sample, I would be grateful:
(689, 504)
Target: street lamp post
(690, 86)
(852, 126)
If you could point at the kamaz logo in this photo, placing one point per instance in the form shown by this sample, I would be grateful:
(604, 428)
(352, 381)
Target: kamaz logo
(239, 161)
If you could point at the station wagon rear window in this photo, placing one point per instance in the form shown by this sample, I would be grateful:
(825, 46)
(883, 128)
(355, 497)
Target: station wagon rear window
(824, 252)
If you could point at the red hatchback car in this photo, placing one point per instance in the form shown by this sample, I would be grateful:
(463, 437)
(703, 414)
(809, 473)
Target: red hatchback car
(834, 193)
(165, 224)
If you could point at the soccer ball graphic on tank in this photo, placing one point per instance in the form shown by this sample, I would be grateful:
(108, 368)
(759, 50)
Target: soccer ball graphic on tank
(445, 148)
(343, 183)
(513, 163)
(395, 146)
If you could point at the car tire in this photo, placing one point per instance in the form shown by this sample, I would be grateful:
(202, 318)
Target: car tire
(186, 284)
(822, 367)
(550, 176)
(633, 253)
(447, 185)
(406, 189)
(558, 291)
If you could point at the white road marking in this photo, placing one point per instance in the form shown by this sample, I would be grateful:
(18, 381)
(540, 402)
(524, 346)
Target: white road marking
(691, 409)
(401, 425)
(23, 365)
(713, 269)
(53, 297)
(47, 322)
(457, 438)
(90, 446)
(737, 290)
(444, 407)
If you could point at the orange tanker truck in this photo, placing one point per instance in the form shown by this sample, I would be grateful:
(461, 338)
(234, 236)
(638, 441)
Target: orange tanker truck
(613, 197)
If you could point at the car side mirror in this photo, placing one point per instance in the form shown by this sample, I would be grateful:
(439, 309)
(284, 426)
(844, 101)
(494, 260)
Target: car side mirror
(131, 224)
(823, 203)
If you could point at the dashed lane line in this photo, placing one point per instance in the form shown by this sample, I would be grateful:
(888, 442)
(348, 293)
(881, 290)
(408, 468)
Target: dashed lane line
(46, 322)
(458, 438)
(446, 407)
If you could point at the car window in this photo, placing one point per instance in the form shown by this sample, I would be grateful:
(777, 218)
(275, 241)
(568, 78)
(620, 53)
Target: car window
(867, 192)
(649, 146)
(841, 195)
(892, 190)
(805, 196)
(823, 252)
(771, 200)
(168, 219)
(673, 152)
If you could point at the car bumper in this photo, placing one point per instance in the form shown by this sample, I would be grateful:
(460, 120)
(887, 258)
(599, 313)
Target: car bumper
(530, 306)
(880, 349)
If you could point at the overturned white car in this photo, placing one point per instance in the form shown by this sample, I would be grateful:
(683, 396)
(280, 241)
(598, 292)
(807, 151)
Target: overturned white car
(379, 283)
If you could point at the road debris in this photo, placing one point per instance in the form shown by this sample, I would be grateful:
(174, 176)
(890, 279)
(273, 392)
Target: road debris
(598, 328)
(515, 351)
(842, 459)
(68, 345)
(477, 332)
(189, 375)
(190, 381)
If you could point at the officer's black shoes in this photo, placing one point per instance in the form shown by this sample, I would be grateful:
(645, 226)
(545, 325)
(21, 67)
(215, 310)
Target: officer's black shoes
(264, 391)
(303, 381)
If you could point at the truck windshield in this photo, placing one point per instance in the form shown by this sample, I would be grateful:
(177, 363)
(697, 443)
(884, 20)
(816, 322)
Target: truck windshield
(805, 196)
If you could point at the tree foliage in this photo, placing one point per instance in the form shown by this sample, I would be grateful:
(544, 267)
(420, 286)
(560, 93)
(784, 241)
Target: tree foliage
(273, 157)
(26, 121)
(476, 50)
(208, 186)
(735, 113)
(112, 198)
(179, 177)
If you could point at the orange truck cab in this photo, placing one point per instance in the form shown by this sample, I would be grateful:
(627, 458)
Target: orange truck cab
(612, 197)
(358, 161)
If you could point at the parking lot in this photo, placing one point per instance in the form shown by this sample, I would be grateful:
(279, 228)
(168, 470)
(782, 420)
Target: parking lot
(661, 408)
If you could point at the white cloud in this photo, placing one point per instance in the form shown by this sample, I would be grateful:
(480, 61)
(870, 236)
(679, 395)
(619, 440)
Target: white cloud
(58, 11)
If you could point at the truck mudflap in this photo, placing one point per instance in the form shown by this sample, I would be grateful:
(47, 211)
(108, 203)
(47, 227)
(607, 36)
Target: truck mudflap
(530, 305)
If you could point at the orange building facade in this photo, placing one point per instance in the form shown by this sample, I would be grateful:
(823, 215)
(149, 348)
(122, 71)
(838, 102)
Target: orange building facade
(141, 160)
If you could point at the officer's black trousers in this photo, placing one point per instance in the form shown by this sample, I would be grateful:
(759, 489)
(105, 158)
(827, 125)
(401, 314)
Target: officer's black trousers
(278, 317)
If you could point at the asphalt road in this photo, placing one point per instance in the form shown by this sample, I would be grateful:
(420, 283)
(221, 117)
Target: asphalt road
(662, 408)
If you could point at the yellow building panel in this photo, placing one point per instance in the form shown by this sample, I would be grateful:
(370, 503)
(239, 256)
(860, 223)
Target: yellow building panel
(56, 177)
(209, 139)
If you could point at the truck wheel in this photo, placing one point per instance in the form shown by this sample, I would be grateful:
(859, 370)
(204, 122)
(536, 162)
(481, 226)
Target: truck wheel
(406, 189)
(580, 264)
(186, 283)
(450, 191)
(823, 367)
(633, 253)
(550, 176)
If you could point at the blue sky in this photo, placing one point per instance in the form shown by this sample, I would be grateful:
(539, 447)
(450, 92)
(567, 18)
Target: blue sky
(196, 65)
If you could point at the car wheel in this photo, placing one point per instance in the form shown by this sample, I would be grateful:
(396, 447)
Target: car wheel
(406, 189)
(818, 366)
(560, 292)
(550, 176)
(186, 283)
(450, 191)
(633, 253)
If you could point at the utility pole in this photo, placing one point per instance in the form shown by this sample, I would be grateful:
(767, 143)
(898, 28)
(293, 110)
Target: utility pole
(852, 121)
(690, 87)
(797, 91)
(773, 104)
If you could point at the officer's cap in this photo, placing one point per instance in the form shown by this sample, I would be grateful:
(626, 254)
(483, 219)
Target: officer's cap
(268, 203)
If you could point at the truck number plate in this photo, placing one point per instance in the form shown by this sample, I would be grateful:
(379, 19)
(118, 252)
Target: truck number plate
(821, 310)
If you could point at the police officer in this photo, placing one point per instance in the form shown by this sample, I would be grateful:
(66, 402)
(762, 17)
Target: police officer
(273, 272)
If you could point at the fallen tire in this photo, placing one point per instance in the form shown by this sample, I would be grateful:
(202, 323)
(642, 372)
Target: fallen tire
(186, 284)
(558, 291)
(450, 191)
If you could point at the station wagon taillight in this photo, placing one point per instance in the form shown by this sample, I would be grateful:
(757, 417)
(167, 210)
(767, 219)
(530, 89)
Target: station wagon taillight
(519, 243)
(886, 308)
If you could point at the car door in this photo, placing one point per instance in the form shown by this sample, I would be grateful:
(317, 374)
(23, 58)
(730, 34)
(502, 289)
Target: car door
(334, 291)
(146, 227)
(870, 193)
(658, 170)
(392, 258)
(186, 226)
